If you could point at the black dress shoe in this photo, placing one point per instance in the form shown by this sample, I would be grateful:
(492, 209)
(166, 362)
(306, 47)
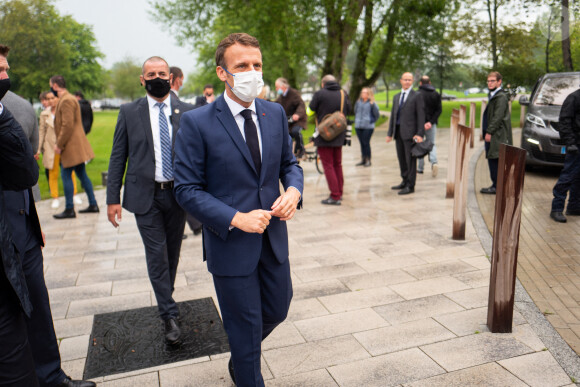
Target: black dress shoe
(68, 382)
(558, 217)
(67, 213)
(184, 237)
(420, 172)
(197, 231)
(362, 162)
(331, 201)
(489, 190)
(172, 332)
(406, 191)
(89, 209)
(572, 212)
(368, 163)
(231, 369)
(400, 186)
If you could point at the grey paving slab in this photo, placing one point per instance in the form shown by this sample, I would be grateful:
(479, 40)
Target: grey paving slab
(429, 287)
(158, 368)
(360, 299)
(73, 348)
(525, 334)
(94, 277)
(317, 355)
(473, 350)
(376, 279)
(417, 309)
(71, 327)
(305, 309)
(108, 304)
(440, 269)
(58, 309)
(54, 280)
(150, 379)
(387, 370)
(328, 272)
(318, 289)
(284, 335)
(403, 336)
(404, 247)
(537, 369)
(73, 293)
(306, 379)
(390, 263)
(339, 324)
(471, 321)
(470, 298)
(74, 368)
(488, 375)
(475, 279)
(446, 254)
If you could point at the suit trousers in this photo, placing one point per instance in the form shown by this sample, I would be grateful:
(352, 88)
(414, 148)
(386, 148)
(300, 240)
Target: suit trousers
(193, 223)
(407, 163)
(331, 158)
(16, 362)
(569, 181)
(252, 306)
(40, 327)
(493, 166)
(161, 230)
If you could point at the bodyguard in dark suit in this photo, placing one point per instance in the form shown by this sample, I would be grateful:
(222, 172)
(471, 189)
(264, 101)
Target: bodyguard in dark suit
(406, 126)
(143, 143)
(230, 157)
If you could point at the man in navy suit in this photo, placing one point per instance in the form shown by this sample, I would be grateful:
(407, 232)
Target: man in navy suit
(230, 157)
(143, 143)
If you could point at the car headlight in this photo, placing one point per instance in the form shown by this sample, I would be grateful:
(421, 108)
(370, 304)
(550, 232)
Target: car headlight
(536, 120)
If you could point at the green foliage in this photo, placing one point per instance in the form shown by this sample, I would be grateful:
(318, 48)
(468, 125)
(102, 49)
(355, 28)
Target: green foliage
(125, 79)
(45, 44)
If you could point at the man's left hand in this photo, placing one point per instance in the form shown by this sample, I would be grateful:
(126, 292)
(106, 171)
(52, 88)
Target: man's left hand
(417, 139)
(295, 117)
(57, 149)
(285, 206)
(487, 137)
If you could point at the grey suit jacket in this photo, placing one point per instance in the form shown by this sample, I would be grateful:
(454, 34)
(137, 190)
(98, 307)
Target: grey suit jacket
(133, 150)
(412, 119)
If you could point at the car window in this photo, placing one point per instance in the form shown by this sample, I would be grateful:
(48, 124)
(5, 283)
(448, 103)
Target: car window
(553, 91)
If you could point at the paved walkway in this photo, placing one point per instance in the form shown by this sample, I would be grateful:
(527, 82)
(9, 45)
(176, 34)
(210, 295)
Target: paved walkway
(382, 295)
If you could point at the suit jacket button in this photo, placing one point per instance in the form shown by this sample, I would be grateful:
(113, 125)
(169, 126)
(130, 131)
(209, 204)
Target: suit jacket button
(21, 212)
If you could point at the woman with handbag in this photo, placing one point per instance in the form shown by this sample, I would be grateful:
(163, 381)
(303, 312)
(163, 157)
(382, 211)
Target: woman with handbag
(366, 113)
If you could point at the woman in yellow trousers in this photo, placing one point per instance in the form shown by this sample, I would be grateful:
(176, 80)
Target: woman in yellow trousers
(47, 140)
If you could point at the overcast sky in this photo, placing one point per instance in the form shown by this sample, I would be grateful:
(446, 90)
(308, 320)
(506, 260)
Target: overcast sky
(125, 28)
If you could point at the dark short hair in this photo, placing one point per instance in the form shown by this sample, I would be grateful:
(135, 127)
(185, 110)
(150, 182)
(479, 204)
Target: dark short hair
(79, 93)
(153, 59)
(4, 50)
(176, 71)
(495, 74)
(239, 38)
(208, 86)
(43, 95)
(58, 80)
(425, 80)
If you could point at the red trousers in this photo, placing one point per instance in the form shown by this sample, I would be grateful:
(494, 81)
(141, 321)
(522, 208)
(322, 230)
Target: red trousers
(331, 158)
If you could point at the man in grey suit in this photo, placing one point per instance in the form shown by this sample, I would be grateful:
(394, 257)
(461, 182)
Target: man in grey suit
(143, 143)
(406, 126)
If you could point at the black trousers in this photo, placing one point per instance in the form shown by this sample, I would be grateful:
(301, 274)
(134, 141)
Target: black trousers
(162, 231)
(296, 134)
(493, 166)
(16, 362)
(407, 163)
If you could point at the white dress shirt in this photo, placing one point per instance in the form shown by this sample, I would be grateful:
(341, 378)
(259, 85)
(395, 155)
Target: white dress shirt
(154, 117)
(236, 110)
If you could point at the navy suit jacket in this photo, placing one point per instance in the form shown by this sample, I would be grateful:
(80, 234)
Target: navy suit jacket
(133, 148)
(215, 178)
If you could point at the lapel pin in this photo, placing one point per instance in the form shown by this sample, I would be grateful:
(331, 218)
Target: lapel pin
(264, 114)
(176, 111)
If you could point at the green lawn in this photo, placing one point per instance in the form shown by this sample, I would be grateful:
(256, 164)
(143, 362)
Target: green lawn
(101, 139)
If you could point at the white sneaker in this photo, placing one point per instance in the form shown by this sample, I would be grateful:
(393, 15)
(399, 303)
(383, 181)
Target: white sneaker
(55, 204)
(434, 170)
(78, 200)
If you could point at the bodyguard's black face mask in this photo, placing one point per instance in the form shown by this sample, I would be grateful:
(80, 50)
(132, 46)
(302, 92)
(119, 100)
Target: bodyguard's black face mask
(4, 87)
(157, 87)
(54, 92)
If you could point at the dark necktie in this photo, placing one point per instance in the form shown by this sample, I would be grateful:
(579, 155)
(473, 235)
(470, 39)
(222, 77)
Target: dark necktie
(401, 103)
(251, 133)
(166, 167)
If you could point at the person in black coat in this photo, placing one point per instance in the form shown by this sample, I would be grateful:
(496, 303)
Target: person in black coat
(86, 112)
(207, 97)
(569, 180)
(433, 108)
(327, 101)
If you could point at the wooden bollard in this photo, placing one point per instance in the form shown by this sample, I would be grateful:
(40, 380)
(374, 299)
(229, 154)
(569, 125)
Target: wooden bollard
(472, 109)
(464, 135)
(462, 114)
(522, 115)
(451, 159)
(483, 107)
(506, 235)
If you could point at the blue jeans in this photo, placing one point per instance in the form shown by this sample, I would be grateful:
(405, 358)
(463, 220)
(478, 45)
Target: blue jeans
(569, 181)
(364, 137)
(430, 135)
(66, 174)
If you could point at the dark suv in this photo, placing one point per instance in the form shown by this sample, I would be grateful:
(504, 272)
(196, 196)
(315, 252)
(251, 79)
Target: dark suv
(540, 137)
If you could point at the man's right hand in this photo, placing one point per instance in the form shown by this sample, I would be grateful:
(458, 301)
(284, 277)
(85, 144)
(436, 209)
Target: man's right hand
(254, 221)
(114, 214)
(389, 139)
(427, 125)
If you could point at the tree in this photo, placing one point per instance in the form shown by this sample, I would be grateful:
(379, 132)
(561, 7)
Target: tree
(44, 44)
(125, 79)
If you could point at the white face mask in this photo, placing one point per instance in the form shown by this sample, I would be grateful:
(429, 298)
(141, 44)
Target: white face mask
(247, 85)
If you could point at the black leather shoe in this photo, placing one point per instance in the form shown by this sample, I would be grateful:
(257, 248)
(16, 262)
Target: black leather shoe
(172, 332)
(368, 163)
(400, 186)
(67, 213)
(184, 237)
(558, 217)
(572, 212)
(68, 382)
(420, 172)
(489, 190)
(406, 191)
(197, 231)
(231, 369)
(362, 162)
(89, 209)
(331, 201)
